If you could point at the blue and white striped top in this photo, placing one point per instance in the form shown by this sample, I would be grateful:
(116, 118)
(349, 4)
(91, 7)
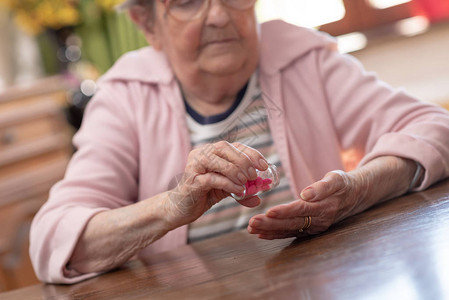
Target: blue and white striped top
(245, 122)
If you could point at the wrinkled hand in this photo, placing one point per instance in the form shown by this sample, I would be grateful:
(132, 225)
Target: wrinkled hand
(327, 201)
(213, 171)
(337, 196)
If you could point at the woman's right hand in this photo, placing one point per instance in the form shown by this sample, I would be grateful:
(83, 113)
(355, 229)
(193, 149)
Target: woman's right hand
(213, 171)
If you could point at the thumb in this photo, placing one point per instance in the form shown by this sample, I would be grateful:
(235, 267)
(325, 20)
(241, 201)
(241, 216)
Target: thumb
(250, 201)
(331, 183)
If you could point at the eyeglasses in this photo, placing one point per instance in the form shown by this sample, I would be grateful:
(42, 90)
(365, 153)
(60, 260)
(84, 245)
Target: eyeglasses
(187, 10)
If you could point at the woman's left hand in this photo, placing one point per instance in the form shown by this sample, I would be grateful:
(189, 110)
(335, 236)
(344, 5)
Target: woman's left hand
(337, 196)
(326, 202)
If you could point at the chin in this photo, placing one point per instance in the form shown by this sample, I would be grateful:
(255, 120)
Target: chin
(224, 66)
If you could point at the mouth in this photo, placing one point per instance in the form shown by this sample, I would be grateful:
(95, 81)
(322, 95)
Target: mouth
(220, 41)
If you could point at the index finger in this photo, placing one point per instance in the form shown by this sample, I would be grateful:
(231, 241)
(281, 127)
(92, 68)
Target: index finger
(294, 209)
(255, 156)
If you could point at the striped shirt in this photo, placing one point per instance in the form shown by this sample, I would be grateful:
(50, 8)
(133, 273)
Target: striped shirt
(247, 123)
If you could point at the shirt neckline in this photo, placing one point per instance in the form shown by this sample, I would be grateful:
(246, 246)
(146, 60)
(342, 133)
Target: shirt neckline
(203, 120)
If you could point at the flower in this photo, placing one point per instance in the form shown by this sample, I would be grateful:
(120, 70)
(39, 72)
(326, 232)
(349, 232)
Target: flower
(89, 28)
(34, 16)
(108, 4)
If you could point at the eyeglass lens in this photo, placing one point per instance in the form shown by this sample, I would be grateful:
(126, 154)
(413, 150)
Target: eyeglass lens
(192, 9)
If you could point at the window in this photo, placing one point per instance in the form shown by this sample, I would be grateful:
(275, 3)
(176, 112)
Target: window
(382, 4)
(307, 13)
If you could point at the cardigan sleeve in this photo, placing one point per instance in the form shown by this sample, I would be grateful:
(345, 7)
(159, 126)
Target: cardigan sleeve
(102, 175)
(377, 120)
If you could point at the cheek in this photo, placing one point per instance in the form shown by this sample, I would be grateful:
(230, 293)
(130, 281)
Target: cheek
(187, 40)
(247, 28)
(248, 25)
(192, 35)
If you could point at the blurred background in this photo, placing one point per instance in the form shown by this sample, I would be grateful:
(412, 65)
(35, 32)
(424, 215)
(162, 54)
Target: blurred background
(52, 52)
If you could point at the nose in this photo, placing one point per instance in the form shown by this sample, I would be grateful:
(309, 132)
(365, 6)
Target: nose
(218, 14)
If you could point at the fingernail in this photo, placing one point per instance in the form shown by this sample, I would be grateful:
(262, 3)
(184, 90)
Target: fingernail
(239, 189)
(263, 164)
(272, 214)
(241, 177)
(255, 223)
(308, 194)
(252, 172)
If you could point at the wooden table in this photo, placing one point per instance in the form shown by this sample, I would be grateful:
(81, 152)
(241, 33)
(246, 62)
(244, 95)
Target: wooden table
(396, 250)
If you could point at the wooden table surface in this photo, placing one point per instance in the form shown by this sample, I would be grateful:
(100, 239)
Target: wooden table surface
(396, 250)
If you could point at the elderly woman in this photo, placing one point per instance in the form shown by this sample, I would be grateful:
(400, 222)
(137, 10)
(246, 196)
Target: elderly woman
(177, 127)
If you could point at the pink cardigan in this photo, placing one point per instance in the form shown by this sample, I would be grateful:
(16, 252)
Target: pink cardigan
(134, 137)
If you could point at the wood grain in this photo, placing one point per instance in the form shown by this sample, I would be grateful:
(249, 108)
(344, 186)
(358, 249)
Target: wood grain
(396, 250)
(34, 150)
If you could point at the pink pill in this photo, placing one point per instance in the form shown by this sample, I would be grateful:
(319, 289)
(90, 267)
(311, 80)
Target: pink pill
(265, 188)
(251, 190)
(267, 181)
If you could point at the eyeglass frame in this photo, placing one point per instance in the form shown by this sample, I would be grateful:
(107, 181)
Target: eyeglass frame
(200, 12)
